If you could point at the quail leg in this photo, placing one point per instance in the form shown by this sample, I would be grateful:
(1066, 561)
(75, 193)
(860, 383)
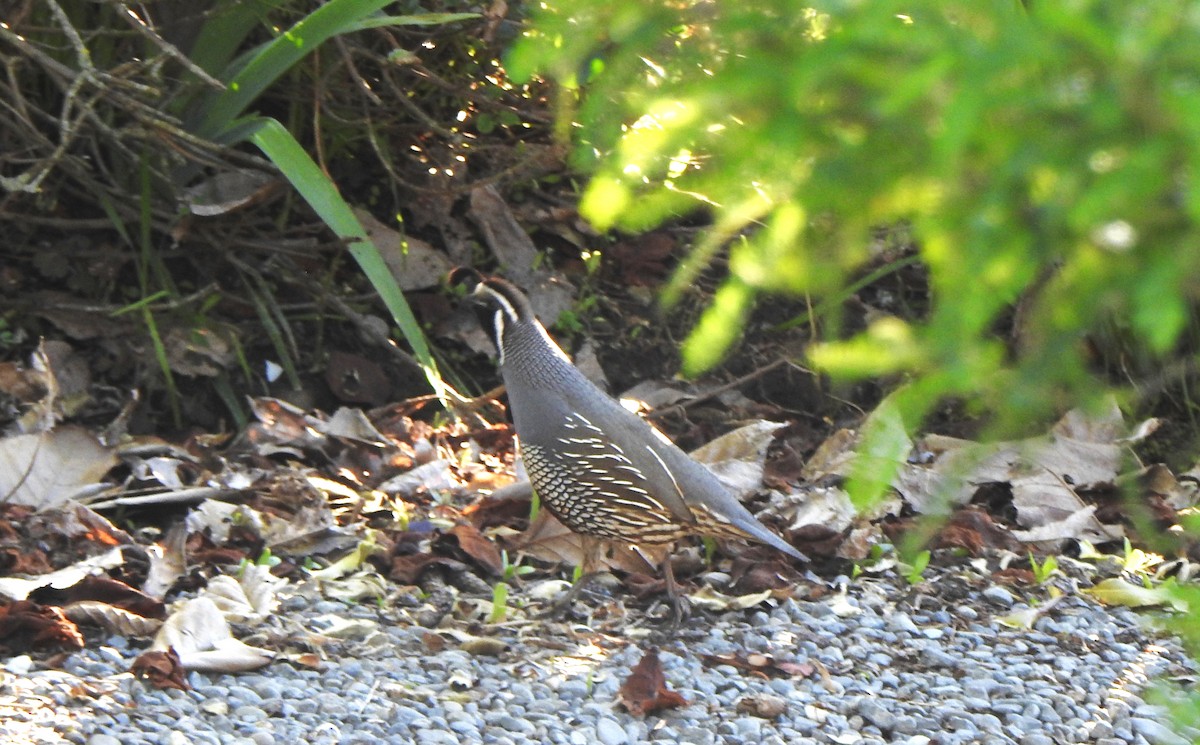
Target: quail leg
(677, 601)
(588, 572)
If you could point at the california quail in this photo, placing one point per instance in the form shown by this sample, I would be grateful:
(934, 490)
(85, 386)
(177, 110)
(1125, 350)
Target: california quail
(600, 469)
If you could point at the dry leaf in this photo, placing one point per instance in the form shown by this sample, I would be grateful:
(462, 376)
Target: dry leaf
(102, 589)
(167, 562)
(112, 619)
(46, 469)
(228, 191)
(15, 588)
(1044, 474)
(200, 635)
(414, 264)
(762, 705)
(549, 540)
(26, 626)
(738, 457)
(161, 669)
(249, 598)
(1116, 591)
(710, 599)
(549, 294)
(353, 424)
(645, 690)
(479, 547)
(759, 664)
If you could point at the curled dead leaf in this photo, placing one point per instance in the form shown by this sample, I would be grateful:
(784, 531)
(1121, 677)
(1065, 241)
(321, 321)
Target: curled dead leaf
(645, 690)
(161, 669)
(26, 625)
(112, 619)
(479, 547)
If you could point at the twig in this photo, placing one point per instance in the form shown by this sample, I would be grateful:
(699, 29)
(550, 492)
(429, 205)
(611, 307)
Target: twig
(738, 382)
(170, 49)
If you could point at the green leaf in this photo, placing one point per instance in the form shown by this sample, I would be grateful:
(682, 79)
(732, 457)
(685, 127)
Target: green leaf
(885, 446)
(277, 57)
(225, 28)
(425, 19)
(718, 328)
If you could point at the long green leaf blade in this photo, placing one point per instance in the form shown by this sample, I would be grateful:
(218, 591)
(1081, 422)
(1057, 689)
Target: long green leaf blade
(332, 18)
(322, 195)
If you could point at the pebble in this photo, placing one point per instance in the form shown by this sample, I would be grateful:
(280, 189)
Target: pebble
(999, 596)
(610, 732)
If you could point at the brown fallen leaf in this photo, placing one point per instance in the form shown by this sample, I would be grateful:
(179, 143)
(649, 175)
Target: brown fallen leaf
(26, 625)
(44, 470)
(105, 590)
(161, 670)
(549, 540)
(973, 529)
(408, 568)
(479, 547)
(18, 560)
(645, 690)
(1014, 576)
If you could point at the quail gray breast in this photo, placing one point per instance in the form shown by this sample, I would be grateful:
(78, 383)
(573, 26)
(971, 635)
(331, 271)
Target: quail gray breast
(599, 468)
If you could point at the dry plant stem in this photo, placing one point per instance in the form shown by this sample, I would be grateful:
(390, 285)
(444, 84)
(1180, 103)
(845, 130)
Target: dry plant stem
(363, 85)
(401, 97)
(1174, 372)
(268, 298)
(109, 88)
(192, 495)
(65, 223)
(468, 409)
(483, 102)
(143, 28)
(31, 180)
(736, 383)
(318, 95)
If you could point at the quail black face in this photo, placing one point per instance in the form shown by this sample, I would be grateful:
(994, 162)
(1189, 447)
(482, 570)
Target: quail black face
(498, 303)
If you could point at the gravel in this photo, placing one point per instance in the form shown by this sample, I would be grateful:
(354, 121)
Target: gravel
(882, 664)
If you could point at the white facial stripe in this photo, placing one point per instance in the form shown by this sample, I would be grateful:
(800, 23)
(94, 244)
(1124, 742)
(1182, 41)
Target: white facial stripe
(509, 310)
(498, 322)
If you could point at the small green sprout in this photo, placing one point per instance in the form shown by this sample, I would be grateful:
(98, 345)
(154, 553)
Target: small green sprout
(510, 571)
(913, 573)
(499, 603)
(1043, 571)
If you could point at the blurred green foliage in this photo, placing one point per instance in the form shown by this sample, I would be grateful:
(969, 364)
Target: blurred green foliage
(1044, 157)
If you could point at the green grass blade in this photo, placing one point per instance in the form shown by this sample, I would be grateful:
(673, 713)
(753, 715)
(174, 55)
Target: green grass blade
(277, 57)
(425, 19)
(278, 144)
(160, 356)
(227, 27)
